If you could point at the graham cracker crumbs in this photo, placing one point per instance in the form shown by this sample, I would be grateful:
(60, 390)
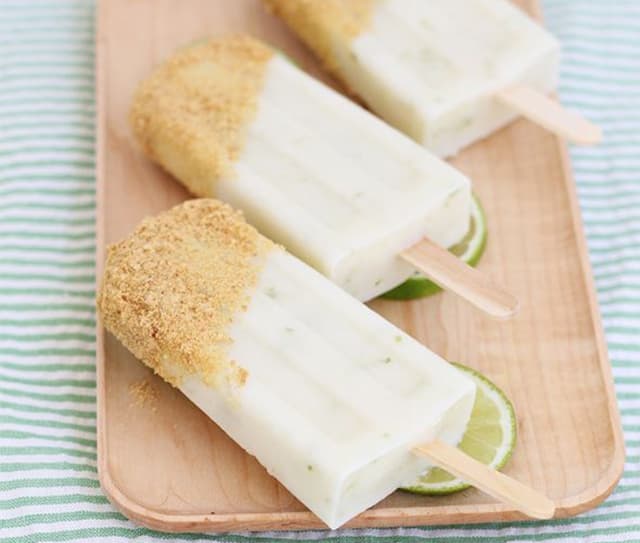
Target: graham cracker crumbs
(171, 290)
(190, 115)
(323, 23)
(144, 395)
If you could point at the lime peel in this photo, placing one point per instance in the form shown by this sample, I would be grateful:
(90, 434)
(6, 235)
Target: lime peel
(492, 414)
(470, 249)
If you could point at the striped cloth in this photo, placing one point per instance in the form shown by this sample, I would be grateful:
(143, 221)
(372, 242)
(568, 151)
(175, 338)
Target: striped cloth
(48, 484)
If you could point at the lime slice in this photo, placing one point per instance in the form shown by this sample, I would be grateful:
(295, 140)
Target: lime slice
(469, 249)
(490, 437)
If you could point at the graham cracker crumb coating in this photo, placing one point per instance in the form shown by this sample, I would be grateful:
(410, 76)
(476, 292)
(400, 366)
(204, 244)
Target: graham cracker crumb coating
(190, 115)
(322, 23)
(171, 290)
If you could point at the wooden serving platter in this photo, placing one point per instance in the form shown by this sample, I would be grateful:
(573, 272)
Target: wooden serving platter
(167, 466)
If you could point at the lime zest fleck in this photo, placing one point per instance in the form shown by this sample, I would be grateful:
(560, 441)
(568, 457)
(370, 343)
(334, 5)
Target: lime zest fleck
(271, 292)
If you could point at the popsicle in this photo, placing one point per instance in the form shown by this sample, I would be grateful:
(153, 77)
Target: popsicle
(340, 189)
(445, 72)
(334, 401)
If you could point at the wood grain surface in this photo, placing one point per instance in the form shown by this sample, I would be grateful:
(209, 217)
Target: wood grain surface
(166, 465)
(454, 275)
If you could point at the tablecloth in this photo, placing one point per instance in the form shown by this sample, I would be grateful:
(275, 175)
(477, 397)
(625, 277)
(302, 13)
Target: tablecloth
(49, 488)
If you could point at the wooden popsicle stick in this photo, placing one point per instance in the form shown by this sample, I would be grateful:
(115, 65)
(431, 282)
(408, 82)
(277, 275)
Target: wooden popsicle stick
(490, 481)
(453, 274)
(546, 112)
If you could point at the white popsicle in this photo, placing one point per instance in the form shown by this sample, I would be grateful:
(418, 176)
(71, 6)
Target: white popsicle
(336, 186)
(444, 72)
(326, 394)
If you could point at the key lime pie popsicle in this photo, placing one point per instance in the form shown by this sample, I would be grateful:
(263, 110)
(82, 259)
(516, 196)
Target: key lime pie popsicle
(340, 189)
(431, 68)
(325, 393)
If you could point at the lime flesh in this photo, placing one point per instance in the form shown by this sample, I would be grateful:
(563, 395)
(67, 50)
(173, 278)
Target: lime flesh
(469, 249)
(490, 437)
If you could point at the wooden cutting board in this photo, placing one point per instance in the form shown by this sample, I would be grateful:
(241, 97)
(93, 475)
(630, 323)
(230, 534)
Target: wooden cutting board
(167, 466)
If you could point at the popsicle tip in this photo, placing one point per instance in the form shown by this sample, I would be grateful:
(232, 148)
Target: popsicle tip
(548, 113)
(525, 499)
(588, 133)
(509, 307)
(543, 509)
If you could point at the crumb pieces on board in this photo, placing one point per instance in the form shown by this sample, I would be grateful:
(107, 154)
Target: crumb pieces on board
(144, 394)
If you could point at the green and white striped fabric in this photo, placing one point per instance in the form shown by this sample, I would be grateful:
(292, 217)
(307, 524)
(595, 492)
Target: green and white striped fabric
(48, 484)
